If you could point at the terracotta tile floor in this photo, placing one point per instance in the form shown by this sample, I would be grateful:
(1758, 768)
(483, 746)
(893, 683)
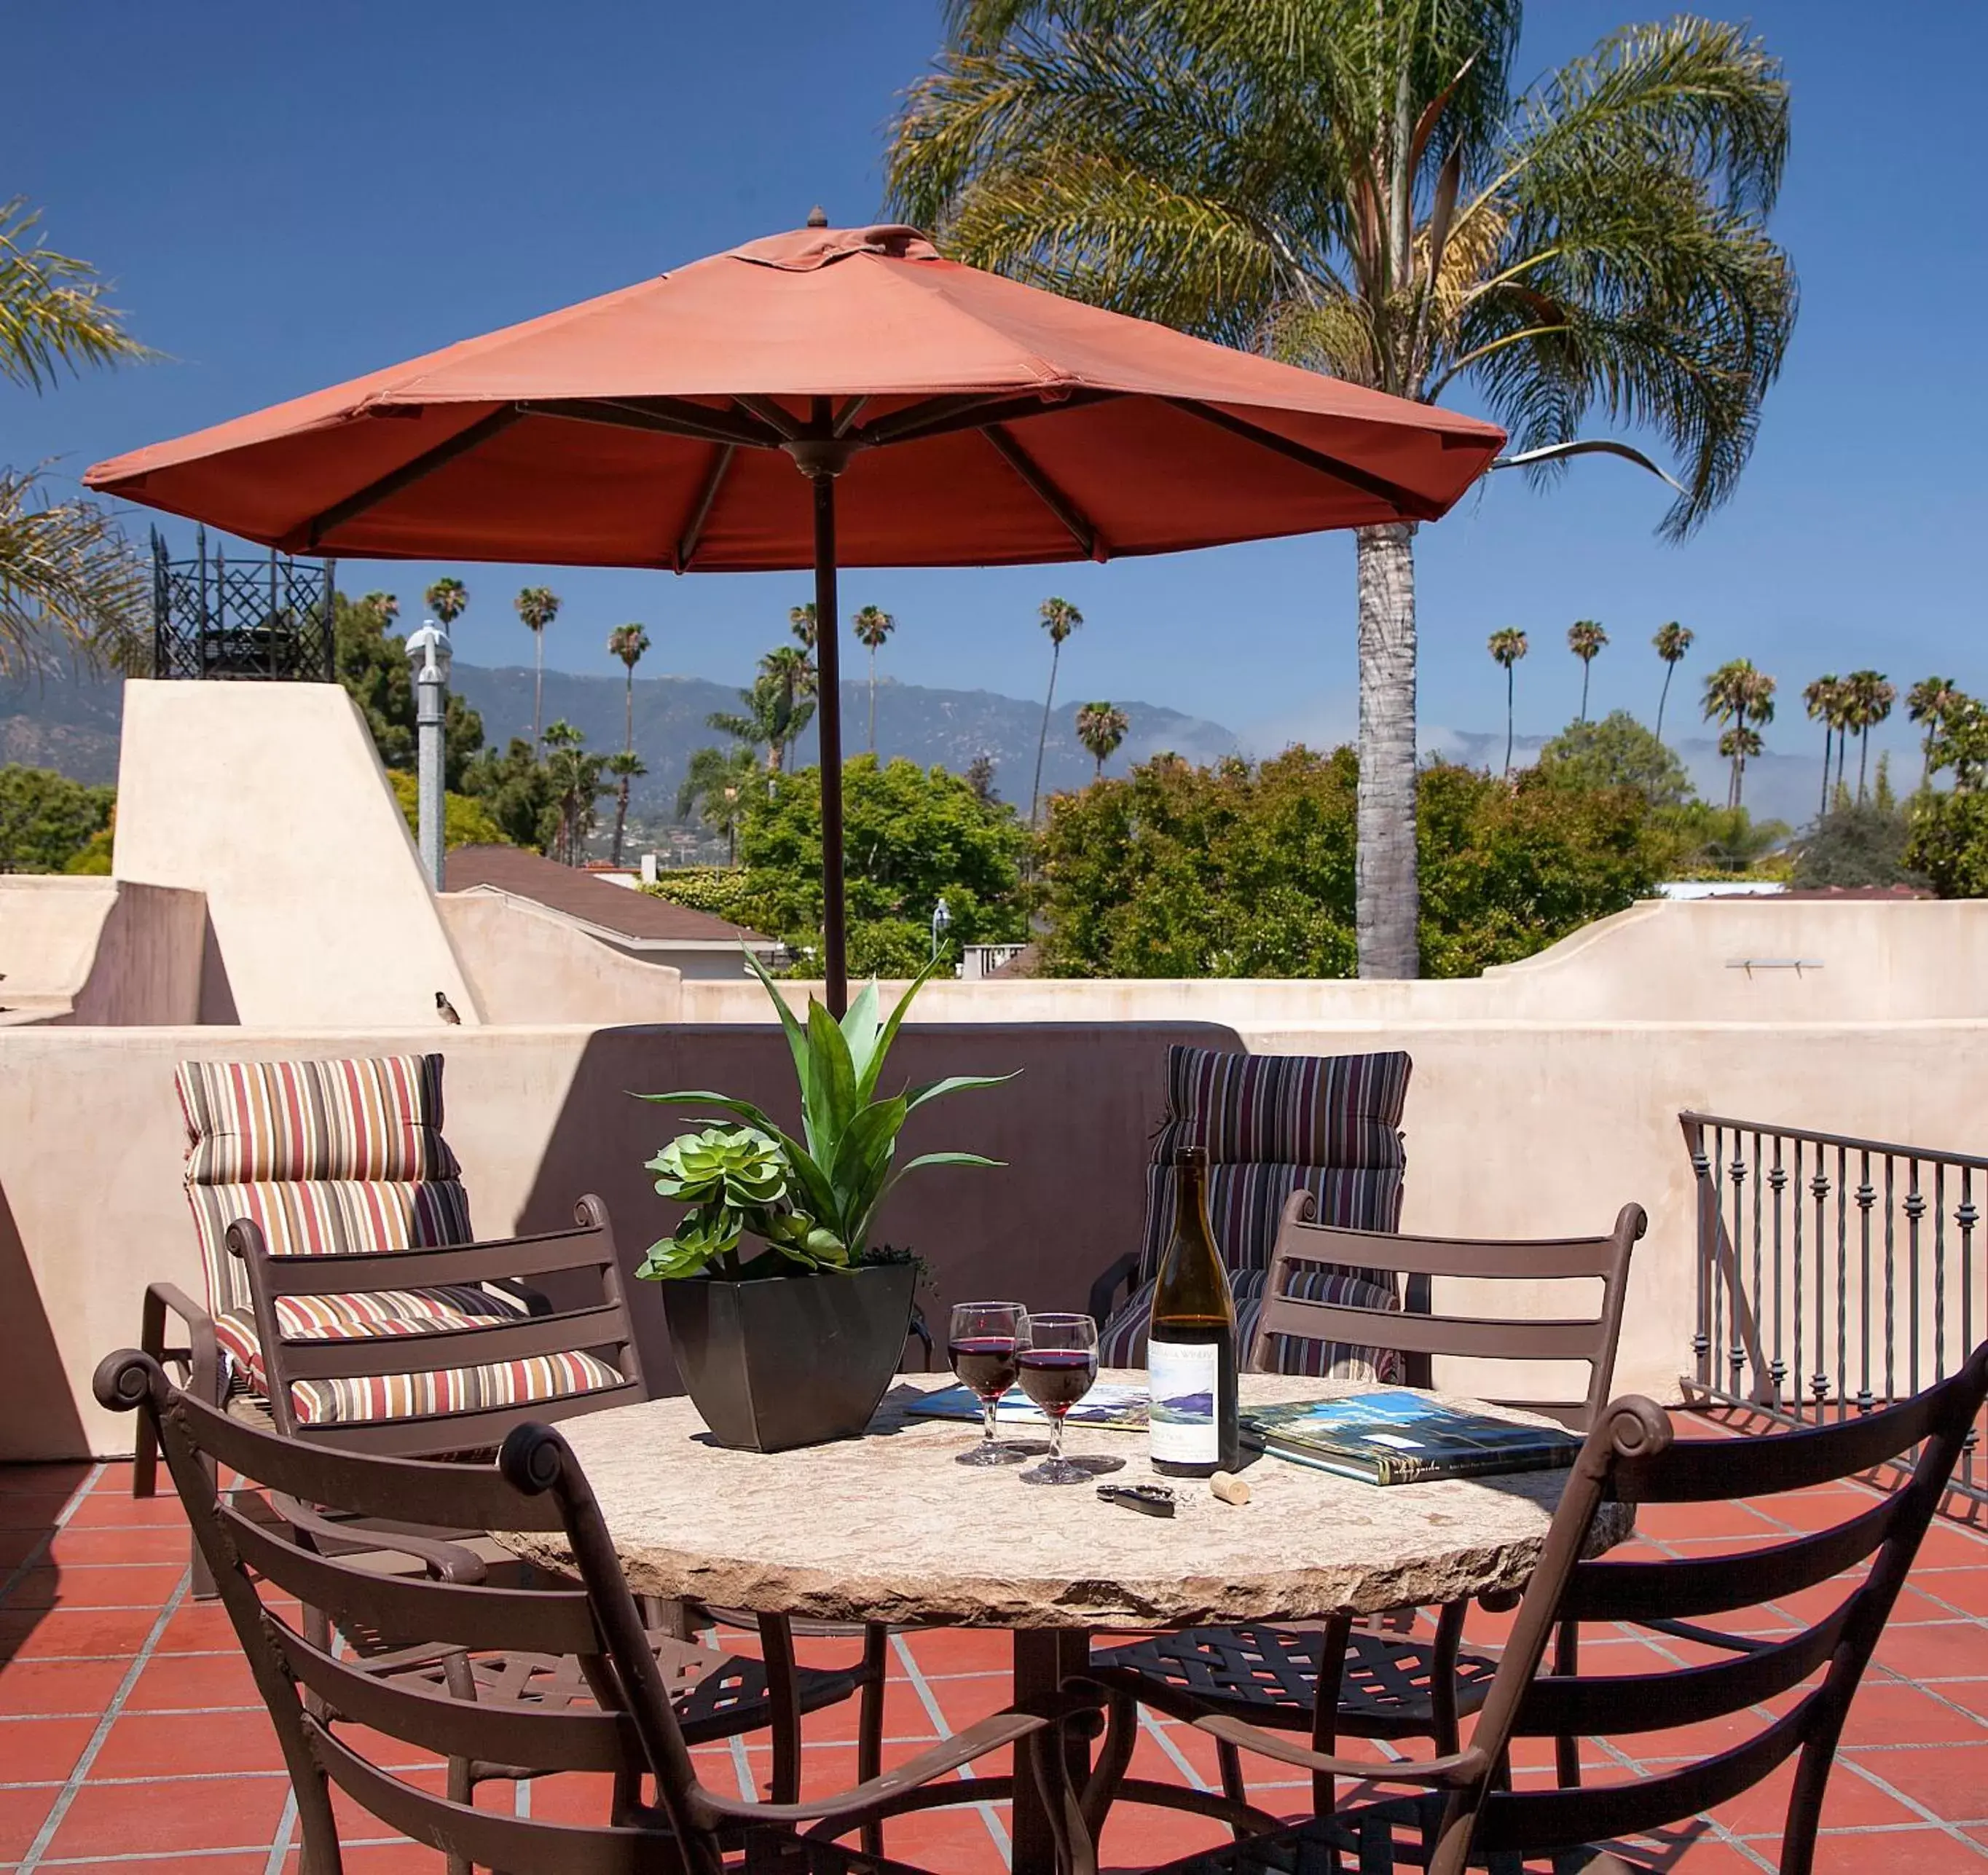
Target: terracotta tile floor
(130, 1737)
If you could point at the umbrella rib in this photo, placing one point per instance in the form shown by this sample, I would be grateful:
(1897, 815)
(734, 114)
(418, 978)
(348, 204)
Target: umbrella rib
(1046, 492)
(660, 416)
(771, 414)
(1411, 506)
(693, 531)
(973, 411)
(417, 469)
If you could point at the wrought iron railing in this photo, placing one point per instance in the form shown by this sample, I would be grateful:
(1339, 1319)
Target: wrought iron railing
(1834, 1273)
(268, 619)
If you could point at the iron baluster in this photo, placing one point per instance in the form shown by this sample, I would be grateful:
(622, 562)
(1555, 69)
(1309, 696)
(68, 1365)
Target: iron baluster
(1966, 1217)
(1736, 1351)
(1867, 1196)
(1759, 1235)
(1891, 1324)
(1795, 1391)
(1777, 1179)
(1701, 1342)
(1842, 1285)
(1914, 1214)
(1820, 1186)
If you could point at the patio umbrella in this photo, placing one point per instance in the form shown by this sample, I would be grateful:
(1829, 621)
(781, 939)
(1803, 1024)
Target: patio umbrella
(938, 415)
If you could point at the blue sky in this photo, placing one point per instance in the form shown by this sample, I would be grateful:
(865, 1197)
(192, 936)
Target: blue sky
(286, 197)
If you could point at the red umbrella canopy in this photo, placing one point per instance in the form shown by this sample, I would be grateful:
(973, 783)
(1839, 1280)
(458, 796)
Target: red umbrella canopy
(981, 422)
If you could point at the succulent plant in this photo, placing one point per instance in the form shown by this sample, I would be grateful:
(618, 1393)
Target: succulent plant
(737, 1166)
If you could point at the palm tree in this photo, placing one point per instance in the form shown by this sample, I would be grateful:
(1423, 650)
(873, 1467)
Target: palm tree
(1871, 700)
(1819, 699)
(1671, 642)
(801, 623)
(1060, 618)
(576, 785)
(872, 627)
(718, 779)
(1930, 701)
(625, 766)
(67, 573)
(1354, 185)
(538, 606)
(448, 599)
(1507, 646)
(628, 643)
(1100, 727)
(1585, 639)
(775, 715)
(384, 606)
(1738, 690)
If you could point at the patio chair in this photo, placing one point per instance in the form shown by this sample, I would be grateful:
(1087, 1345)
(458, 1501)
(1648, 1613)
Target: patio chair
(449, 1690)
(1380, 1685)
(1271, 1124)
(1798, 1660)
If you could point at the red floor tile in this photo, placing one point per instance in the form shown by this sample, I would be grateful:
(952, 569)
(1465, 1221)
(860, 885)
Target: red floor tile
(150, 1744)
(73, 1633)
(1895, 1712)
(22, 1813)
(78, 1686)
(1950, 1780)
(1850, 1802)
(1939, 1650)
(181, 1682)
(1963, 1590)
(1924, 1851)
(36, 1751)
(176, 1817)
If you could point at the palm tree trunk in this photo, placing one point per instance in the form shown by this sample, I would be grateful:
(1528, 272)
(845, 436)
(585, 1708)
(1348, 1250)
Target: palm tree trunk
(1042, 741)
(1826, 738)
(1587, 671)
(1386, 899)
(621, 818)
(538, 687)
(1511, 673)
(1664, 696)
(1738, 758)
(1863, 758)
(628, 727)
(873, 699)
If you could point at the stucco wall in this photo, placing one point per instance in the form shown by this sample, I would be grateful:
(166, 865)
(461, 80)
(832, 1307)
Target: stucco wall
(269, 799)
(100, 950)
(530, 965)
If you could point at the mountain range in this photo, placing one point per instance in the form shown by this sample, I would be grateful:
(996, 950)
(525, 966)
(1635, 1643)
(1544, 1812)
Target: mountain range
(71, 723)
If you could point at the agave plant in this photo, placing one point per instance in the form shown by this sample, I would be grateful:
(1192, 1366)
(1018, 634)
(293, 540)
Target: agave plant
(813, 1201)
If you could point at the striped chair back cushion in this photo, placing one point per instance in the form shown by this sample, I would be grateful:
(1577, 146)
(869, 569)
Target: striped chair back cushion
(337, 1156)
(1271, 1123)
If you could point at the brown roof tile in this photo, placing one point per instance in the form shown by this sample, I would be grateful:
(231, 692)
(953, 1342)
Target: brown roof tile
(638, 916)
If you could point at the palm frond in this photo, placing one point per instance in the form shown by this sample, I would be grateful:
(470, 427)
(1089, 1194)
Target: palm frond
(53, 313)
(69, 580)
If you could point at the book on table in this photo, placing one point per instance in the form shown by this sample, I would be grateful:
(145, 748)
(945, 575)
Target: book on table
(1113, 1404)
(1393, 1438)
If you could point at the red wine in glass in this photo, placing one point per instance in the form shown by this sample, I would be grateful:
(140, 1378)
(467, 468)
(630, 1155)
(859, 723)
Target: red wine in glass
(984, 1343)
(1059, 1364)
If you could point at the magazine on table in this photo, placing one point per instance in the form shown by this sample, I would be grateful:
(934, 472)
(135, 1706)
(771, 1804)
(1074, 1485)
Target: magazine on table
(1403, 1438)
(1115, 1404)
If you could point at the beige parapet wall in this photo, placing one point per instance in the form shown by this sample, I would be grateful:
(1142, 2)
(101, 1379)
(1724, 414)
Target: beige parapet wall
(1516, 1127)
(98, 951)
(532, 965)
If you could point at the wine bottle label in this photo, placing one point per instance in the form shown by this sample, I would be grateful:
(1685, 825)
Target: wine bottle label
(1184, 1377)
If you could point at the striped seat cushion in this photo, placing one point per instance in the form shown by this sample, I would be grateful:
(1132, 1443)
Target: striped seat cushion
(1121, 1343)
(337, 1156)
(412, 1312)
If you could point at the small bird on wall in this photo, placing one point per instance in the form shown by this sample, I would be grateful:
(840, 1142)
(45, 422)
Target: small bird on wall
(445, 1009)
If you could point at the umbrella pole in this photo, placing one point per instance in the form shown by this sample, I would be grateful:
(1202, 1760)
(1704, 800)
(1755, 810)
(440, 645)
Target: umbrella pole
(834, 926)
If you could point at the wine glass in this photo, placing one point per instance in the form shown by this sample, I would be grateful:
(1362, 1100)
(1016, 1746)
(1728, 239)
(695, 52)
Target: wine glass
(1059, 1363)
(983, 1344)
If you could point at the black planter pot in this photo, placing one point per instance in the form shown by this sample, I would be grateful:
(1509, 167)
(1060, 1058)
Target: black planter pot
(790, 1360)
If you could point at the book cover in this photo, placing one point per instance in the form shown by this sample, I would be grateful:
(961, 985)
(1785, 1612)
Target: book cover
(1403, 1438)
(1110, 1403)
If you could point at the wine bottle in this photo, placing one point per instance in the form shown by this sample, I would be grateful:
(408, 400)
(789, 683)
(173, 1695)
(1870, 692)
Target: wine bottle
(1191, 1350)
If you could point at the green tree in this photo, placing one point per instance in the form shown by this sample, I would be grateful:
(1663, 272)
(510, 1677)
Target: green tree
(1242, 871)
(628, 643)
(914, 836)
(1947, 843)
(466, 821)
(1861, 843)
(516, 791)
(1060, 618)
(577, 785)
(1738, 694)
(67, 576)
(1671, 642)
(1507, 645)
(1927, 702)
(625, 767)
(538, 606)
(872, 626)
(447, 599)
(1355, 185)
(801, 623)
(46, 819)
(1100, 727)
(717, 782)
(373, 666)
(1821, 699)
(1868, 698)
(1586, 639)
(1616, 753)
(776, 709)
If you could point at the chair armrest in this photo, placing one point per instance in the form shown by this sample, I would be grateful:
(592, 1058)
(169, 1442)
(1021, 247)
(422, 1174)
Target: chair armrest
(203, 1359)
(1121, 1272)
(1448, 1773)
(440, 1560)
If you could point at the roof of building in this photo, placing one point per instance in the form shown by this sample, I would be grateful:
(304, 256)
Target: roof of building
(636, 917)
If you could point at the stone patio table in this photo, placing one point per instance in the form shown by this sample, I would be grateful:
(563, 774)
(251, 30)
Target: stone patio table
(887, 1528)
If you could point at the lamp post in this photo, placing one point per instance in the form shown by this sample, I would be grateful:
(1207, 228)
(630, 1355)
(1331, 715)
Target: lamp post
(941, 918)
(429, 650)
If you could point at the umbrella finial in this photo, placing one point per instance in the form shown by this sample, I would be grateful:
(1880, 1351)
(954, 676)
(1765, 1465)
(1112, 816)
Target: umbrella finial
(817, 216)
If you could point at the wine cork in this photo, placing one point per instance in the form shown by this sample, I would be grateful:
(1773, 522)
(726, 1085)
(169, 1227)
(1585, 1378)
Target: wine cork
(1229, 1488)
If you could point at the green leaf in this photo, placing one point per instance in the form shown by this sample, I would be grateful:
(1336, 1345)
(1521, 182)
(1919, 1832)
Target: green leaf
(797, 1040)
(834, 1083)
(865, 1156)
(916, 1097)
(744, 1108)
(860, 1028)
(867, 1084)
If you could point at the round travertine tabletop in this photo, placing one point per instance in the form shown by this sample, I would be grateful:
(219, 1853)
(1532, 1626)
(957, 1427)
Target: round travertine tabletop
(887, 1528)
